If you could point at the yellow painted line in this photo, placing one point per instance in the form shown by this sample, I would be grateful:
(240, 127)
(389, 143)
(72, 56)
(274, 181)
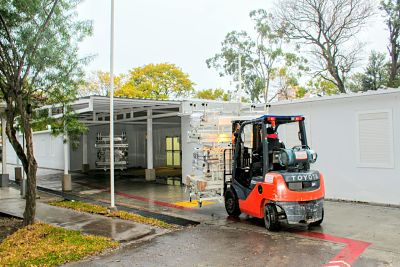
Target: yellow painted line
(193, 204)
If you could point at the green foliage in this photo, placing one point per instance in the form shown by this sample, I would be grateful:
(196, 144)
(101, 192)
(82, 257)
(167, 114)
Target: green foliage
(301, 92)
(391, 8)
(98, 83)
(156, 81)
(96, 209)
(374, 76)
(51, 68)
(355, 82)
(286, 81)
(213, 94)
(46, 245)
(245, 99)
(260, 56)
(376, 72)
(322, 87)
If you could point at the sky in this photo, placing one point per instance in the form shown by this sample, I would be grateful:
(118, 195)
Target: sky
(183, 32)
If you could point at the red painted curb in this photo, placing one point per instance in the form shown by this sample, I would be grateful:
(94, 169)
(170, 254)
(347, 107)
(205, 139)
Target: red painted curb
(151, 201)
(143, 199)
(348, 255)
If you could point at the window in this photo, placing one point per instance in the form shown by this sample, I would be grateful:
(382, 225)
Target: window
(375, 139)
(173, 148)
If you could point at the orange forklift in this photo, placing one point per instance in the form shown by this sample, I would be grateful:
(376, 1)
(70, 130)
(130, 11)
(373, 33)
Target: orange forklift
(270, 181)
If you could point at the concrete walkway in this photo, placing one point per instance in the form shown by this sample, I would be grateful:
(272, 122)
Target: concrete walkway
(120, 230)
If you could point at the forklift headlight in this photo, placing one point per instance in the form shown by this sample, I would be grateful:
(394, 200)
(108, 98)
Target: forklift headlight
(269, 178)
(281, 188)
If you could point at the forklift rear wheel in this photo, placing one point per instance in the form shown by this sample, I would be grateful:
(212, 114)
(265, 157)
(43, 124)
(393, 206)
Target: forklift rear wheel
(318, 223)
(271, 218)
(232, 203)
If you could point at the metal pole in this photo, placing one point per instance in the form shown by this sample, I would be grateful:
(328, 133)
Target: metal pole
(239, 76)
(112, 108)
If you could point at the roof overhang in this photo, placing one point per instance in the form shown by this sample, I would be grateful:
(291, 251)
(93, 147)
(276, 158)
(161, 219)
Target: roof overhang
(95, 110)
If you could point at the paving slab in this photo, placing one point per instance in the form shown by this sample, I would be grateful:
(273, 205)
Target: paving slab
(120, 230)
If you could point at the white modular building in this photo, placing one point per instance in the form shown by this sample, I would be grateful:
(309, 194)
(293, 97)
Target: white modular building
(356, 137)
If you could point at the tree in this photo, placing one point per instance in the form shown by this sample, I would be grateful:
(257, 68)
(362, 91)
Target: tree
(355, 82)
(374, 76)
(39, 65)
(213, 94)
(235, 45)
(98, 83)
(260, 56)
(392, 10)
(376, 72)
(320, 86)
(329, 26)
(287, 85)
(156, 81)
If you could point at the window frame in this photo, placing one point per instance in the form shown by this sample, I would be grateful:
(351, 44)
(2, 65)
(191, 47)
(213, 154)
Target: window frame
(173, 151)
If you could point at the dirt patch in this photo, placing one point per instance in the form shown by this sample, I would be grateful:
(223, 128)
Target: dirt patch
(8, 226)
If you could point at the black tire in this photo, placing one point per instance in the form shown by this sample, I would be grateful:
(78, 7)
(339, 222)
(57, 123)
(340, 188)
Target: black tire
(271, 218)
(232, 203)
(318, 223)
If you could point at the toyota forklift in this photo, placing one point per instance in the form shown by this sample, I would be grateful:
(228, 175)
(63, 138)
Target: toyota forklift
(270, 181)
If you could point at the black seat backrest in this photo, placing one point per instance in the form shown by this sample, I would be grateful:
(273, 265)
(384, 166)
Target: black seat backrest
(273, 144)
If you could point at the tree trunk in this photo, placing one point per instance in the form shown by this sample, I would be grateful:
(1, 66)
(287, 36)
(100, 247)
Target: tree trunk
(27, 158)
(340, 85)
(393, 64)
(266, 89)
(30, 206)
(333, 70)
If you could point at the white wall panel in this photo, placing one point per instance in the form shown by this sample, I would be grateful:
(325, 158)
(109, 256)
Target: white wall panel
(333, 126)
(48, 150)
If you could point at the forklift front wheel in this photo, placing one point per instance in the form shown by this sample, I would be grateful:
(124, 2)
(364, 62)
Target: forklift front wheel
(232, 203)
(271, 218)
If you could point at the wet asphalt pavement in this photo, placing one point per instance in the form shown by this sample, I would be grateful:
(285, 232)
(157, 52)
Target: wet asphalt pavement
(210, 245)
(213, 245)
(351, 235)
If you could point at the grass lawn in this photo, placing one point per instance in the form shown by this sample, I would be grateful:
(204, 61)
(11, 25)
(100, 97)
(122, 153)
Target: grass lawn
(46, 245)
(97, 209)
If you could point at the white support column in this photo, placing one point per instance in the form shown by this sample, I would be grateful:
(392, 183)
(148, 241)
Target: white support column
(85, 164)
(66, 182)
(18, 169)
(66, 154)
(150, 172)
(4, 175)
